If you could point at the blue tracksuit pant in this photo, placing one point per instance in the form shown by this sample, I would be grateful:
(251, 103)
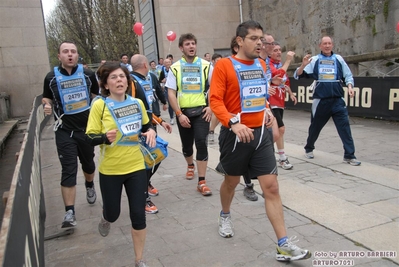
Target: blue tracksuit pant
(322, 110)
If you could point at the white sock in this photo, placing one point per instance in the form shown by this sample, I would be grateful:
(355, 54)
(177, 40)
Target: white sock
(282, 154)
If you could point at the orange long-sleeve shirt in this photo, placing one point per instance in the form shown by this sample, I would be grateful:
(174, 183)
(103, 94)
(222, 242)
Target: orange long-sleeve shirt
(224, 96)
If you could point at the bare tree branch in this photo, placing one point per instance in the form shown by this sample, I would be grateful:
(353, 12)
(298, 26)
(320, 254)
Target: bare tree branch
(101, 29)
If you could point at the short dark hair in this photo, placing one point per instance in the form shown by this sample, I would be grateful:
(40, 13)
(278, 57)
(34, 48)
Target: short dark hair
(215, 56)
(106, 70)
(169, 56)
(124, 55)
(233, 45)
(66, 42)
(186, 36)
(242, 29)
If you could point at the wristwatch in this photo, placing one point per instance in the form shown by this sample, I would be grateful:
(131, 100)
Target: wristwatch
(233, 121)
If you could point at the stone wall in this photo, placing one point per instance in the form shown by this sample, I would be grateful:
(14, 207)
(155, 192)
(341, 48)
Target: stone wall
(24, 60)
(357, 26)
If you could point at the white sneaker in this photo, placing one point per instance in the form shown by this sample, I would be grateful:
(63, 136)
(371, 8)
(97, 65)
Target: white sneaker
(211, 136)
(172, 121)
(290, 252)
(103, 227)
(309, 155)
(69, 219)
(353, 162)
(285, 164)
(140, 263)
(226, 228)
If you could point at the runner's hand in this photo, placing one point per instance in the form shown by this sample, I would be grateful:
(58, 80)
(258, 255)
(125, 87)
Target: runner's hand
(243, 133)
(184, 121)
(150, 137)
(111, 135)
(47, 108)
(166, 126)
(208, 114)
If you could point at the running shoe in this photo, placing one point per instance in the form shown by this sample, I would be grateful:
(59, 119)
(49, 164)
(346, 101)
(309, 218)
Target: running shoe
(226, 228)
(140, 263)
(91, 195)
(190, 172)
(211, 136)
(249, 192)
(291, 252)
(285, 164)
(150, 207)
(104, 226)
(353, 162)
(69, 219)
(152, 191)
(309, 155)
(203, 188)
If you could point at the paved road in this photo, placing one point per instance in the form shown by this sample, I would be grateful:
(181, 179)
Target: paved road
(330, 206)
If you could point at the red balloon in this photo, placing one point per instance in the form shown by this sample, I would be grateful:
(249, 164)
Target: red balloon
(138, 28)
(171, 35)
(397, 27)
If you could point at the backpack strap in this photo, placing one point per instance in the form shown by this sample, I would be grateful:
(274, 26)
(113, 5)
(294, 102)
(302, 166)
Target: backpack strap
(155, 119)
(207, 85)
(134, 86)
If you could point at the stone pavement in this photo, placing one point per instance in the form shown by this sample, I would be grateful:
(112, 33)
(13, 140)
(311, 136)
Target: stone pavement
(330, 206)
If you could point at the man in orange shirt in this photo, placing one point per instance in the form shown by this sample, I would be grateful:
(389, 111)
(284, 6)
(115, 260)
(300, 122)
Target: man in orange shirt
(238, 99)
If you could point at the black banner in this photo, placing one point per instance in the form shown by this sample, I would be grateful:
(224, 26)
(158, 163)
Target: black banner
(22, 237)
(375, 97)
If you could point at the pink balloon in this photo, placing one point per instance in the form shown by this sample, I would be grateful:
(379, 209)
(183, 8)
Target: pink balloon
(397, 27)
(171, 35)
(138, 28)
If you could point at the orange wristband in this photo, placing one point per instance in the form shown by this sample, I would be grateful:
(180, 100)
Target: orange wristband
(179, 113)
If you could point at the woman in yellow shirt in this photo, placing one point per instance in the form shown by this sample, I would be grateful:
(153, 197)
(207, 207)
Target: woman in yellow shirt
(116, 122)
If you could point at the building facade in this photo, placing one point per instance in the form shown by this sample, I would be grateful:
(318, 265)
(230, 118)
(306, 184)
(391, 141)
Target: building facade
(212, 22)
(24, 59)
(364, 31)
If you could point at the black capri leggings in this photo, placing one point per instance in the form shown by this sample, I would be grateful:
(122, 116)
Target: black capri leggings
(136, 189)
(198, 134)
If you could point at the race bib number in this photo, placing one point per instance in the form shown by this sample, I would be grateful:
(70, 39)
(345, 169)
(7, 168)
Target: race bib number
(326, 70)
(250, 91)
(77, 96)
(191, 79)
(131, 127)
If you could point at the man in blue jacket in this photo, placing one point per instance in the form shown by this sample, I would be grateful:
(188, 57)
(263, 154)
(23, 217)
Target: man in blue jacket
(329, 71)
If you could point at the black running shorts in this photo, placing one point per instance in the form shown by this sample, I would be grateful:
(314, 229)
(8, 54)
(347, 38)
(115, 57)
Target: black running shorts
(252, 158)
